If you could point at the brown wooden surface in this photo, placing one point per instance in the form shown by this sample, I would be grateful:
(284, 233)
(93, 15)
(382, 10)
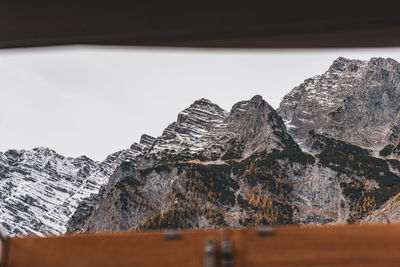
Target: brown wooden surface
(377, 245)
(222, 23)
(366, 245)
(127, 249)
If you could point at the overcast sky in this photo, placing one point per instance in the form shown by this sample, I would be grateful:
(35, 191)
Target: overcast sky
(93, 101)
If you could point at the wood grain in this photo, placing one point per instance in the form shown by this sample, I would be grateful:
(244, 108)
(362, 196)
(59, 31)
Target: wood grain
(349, 245)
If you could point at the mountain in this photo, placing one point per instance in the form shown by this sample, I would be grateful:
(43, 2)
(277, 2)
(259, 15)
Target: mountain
(40, 189)
(329, 154)
(194, 175)
(215, 168)
(242, 168)
(354, 101)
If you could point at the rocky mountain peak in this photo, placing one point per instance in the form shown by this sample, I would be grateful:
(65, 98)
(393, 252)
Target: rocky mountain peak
(381, 70)
(206, 147)
(257, 99)
(44, 151)
(199, 112)
(383, 62)
(344, 64)
(145, 143)
(213, 168)
(191, 125)
(14, 153)
(147, 140)
(202, 101)
(40, 189)
(257, 125)
(354, 101)
(255, 103)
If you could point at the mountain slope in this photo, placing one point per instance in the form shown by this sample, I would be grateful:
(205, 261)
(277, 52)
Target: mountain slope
(40, 189)
(343, 117)
(205, 184)
(244, 170)
(354, 101)
(329, 154)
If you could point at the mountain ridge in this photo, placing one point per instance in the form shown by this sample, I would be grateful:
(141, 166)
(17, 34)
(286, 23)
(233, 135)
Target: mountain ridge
(40, 189)
(350, 96)
(328, 154)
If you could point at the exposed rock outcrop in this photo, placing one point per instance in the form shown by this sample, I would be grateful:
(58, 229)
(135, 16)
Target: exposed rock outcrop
(244, 170)
(329, 154)
(40, 189)
(354, 101)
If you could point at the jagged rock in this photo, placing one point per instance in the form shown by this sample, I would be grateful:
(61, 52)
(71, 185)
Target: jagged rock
(147, 140)
(213, 168)
(258, 175)
(257, 126)
(354, 101)
(40, 189)
(208, 141)
(190, 132)
(343, 117)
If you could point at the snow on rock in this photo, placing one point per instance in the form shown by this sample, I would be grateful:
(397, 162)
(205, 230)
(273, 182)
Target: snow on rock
(355, 101)
(40, 189)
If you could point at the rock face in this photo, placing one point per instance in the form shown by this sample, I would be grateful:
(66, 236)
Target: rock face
(354, 101)
(40, 189)
(213, 168)
(329, 154)
(202, 172)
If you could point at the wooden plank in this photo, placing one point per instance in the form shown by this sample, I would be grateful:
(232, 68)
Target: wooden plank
(366, 245)
(348, 245)
(127, 249)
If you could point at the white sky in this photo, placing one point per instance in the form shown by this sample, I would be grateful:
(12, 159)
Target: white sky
(93, 101)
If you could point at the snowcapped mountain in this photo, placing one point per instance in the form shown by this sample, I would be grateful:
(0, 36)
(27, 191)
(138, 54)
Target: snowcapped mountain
(206, 130)
(354, 101)
(194, 176)
(329, 154)
(215, 168)
(190, 133)
(40, 189)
